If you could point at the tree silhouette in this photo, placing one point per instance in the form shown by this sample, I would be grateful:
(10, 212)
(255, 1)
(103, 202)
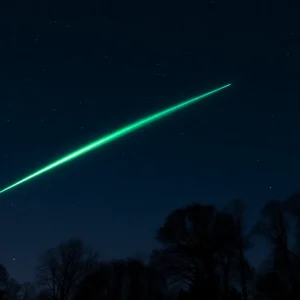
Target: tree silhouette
(13, 289)
(200, 247)
(4, 276)
(61, 269)
(28, 291)
(270, 286)
(122, 280)
(240, 265)
(44, 295)
(283, 264)
(292, 207)
(10, 289)
(3, 282)
(202, 256)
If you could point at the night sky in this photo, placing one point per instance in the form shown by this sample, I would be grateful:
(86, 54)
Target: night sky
(73, 71)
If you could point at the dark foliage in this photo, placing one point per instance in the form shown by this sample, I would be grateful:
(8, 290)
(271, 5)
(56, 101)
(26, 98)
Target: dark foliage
(202, 256)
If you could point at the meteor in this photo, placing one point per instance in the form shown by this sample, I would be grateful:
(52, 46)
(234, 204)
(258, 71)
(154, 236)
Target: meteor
(113, 136)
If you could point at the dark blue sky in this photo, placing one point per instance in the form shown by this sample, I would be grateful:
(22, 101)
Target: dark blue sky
(71, 72)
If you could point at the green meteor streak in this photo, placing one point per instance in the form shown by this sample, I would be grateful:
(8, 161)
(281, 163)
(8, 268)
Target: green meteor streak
(113, 136)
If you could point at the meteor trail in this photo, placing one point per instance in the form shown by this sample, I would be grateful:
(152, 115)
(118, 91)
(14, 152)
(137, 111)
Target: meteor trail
(113, 136)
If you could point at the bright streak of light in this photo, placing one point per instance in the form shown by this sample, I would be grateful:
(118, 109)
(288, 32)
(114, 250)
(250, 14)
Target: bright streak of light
(113, 136)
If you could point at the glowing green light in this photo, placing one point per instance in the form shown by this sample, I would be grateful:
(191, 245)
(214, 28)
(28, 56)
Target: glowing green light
(113, 136)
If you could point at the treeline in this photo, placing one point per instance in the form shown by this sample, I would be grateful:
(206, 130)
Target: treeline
(202, 256)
